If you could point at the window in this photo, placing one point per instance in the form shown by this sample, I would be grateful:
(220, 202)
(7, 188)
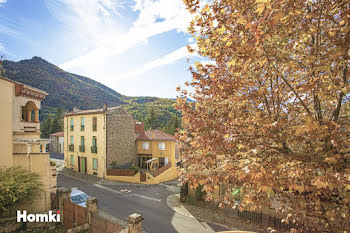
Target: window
(94, 123)
(82, 124)
(71, 124)
(161, 146)
(82, 141)
(94, 164)
(145, 146)
(72, 140)
(72, 160)
(94, 141)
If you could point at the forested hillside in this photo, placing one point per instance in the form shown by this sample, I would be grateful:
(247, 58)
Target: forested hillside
(67, 90)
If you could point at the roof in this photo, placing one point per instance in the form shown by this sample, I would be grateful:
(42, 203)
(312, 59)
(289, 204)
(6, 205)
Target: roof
(156, 135)
(91, 111)
(58, 134)
(22, 89)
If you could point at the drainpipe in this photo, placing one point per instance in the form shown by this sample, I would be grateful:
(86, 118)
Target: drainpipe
(29, 151)
(106, 142)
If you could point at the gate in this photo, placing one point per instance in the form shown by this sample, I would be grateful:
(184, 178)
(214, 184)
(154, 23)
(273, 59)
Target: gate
(103, 225)
(142, 177)
(74, 215)
(54, 201)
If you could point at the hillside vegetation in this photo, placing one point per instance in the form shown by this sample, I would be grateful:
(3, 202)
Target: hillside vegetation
(67, 90)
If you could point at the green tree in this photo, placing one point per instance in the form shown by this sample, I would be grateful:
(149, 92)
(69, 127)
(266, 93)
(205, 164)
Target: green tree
(46, 126)
(173, 124)
(17, 185)
(152, 119)
(57, 123)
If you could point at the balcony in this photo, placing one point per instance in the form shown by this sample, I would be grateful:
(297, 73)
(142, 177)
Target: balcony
(94, 149)
(82, 148)
(71, 147)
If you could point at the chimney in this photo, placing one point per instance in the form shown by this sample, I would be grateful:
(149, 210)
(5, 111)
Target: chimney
(139, 128)
(75, 109)
(105, 107)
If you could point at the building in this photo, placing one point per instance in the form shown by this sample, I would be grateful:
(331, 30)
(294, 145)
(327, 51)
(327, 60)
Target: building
(57, 143)
(99, 139)
(20, 137)
(159, 147)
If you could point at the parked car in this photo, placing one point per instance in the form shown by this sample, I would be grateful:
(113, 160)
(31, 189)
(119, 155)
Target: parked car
(78, 197)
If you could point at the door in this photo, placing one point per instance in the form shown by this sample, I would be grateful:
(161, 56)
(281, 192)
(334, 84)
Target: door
(79, 164)
(161, 162)
(83, 165)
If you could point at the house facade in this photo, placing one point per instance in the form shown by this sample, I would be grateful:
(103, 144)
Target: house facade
(57, 143)
(20, 137)
(97, 139)
(159, 147)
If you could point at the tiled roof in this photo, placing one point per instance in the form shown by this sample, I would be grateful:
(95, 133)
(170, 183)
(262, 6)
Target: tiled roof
(58, 134)
(91, 111)
(156, 135)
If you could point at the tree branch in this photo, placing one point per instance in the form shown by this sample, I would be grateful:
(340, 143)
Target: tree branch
(336, 111)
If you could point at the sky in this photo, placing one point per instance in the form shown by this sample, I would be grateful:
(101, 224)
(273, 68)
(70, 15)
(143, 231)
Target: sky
(136, 47)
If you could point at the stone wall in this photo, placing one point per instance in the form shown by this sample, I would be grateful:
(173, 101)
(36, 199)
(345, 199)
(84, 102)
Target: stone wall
(120, 137)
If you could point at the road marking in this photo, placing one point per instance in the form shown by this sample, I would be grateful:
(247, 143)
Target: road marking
(149, 198)
(131, 194)
(103, 187)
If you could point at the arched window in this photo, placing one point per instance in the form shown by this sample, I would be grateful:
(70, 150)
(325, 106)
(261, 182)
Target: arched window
(30, 112)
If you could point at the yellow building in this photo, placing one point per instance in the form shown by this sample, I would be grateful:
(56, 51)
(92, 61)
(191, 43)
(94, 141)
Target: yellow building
(20, 137)
(157, 147)
(97, 139)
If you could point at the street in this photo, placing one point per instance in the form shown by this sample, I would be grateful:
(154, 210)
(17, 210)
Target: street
(147, 200)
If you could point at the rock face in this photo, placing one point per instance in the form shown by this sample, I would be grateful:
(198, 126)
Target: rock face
(120, 137)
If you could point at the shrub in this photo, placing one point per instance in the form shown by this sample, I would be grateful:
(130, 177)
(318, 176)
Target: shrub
(17, 185)
(135, 168)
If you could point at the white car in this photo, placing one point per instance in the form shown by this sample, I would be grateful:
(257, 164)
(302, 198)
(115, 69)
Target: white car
(78, 197)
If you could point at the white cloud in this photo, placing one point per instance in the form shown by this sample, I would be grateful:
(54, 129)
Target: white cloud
(2, 1)
(155, 17)
(165, 60)
(2, 48)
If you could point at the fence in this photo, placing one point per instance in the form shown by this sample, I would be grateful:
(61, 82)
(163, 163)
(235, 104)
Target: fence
(161, 170)
(101, 224)
(74, 215)
(120, 172)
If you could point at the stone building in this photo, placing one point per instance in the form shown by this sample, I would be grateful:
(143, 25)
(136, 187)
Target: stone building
(98, 139)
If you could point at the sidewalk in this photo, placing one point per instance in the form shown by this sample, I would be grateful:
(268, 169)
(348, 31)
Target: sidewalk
(214, 216)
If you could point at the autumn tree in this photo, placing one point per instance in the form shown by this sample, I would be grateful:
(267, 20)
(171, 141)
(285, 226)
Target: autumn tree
(271, 117)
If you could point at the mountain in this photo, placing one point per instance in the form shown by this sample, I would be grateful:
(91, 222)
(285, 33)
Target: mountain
(67, 90)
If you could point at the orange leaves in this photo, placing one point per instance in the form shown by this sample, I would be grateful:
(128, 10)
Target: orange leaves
(264, 116)
(319, 184)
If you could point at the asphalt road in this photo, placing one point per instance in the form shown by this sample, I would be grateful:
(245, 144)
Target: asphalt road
(147, 200)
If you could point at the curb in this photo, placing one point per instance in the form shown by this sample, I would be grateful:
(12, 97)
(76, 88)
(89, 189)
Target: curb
(191, 216)
(175, 209)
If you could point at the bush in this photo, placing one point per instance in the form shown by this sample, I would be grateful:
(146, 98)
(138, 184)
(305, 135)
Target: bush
(17, 185)
(135, 168)
(52, 163)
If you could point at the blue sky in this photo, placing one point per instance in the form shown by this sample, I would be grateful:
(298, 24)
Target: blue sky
(136, 47)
